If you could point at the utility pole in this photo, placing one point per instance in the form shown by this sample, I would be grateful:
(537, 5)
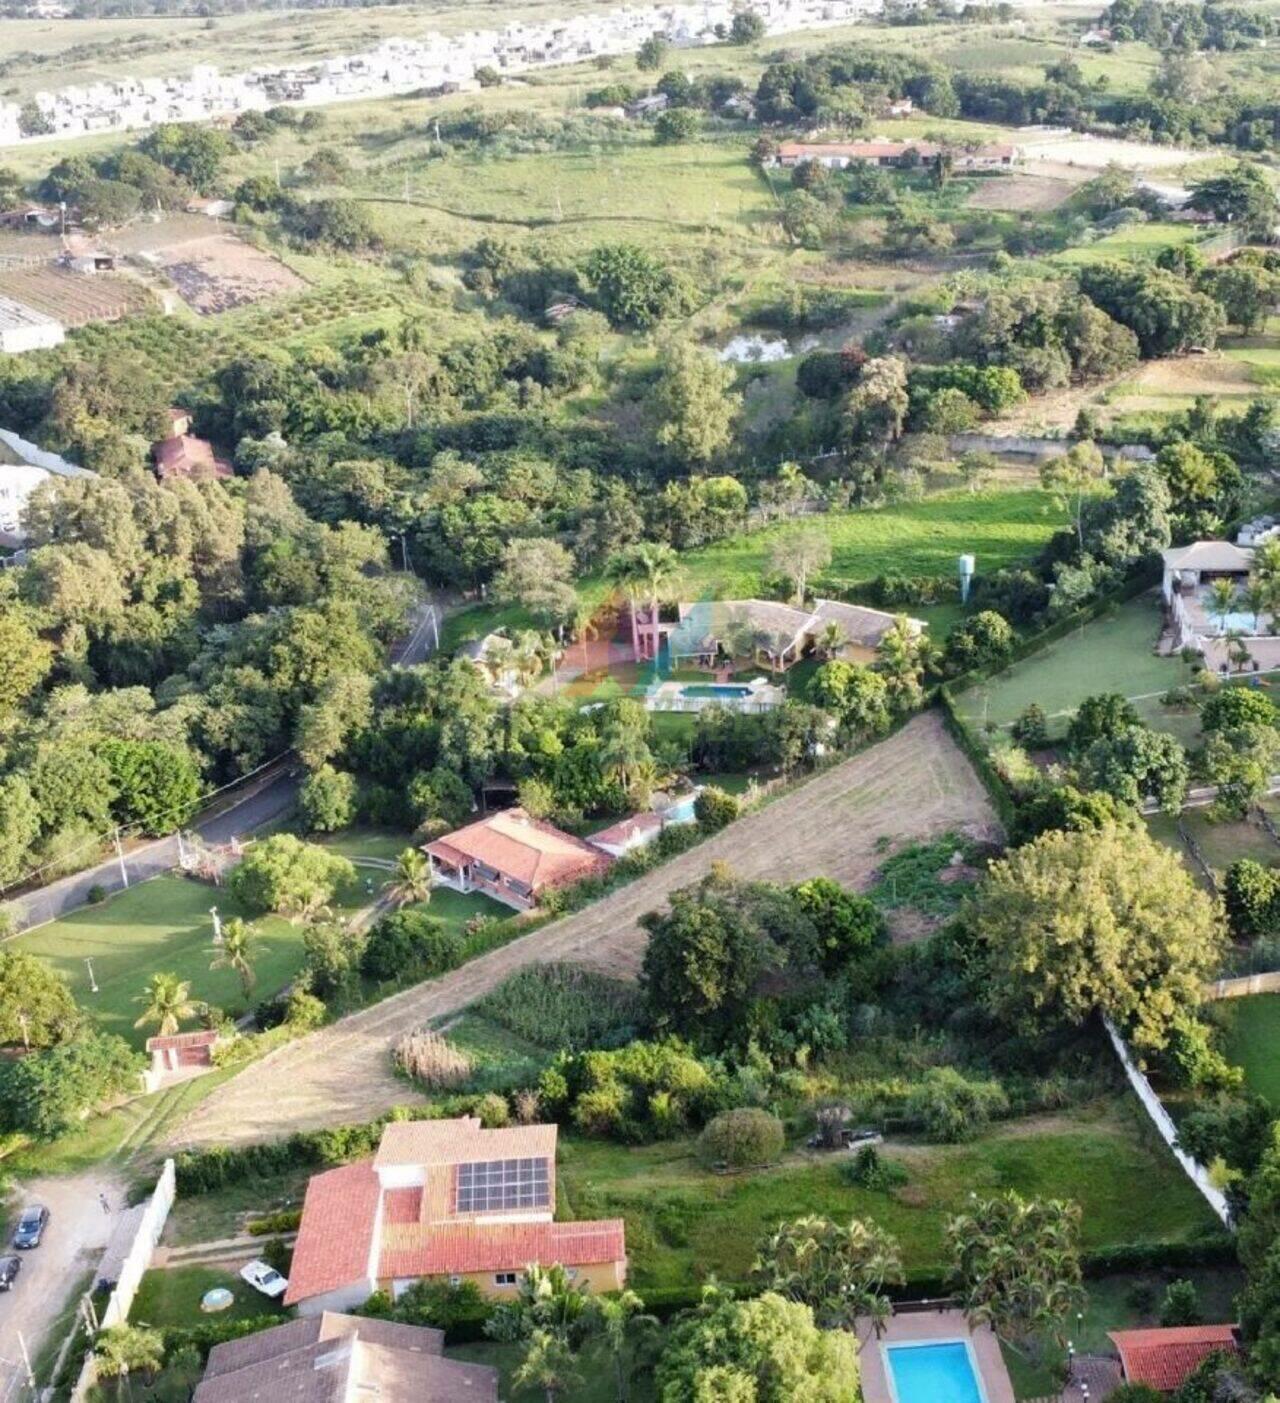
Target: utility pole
(93, 983)
(124, 871)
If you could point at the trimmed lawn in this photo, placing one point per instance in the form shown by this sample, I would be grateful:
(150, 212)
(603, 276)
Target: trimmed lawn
(684, 1224)
(171, 1297)
(1112, 654)
(161, 925)
(456, 908)
(366, 842)
(1252, 1040)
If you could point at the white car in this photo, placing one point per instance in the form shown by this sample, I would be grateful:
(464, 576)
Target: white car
(265, 1279)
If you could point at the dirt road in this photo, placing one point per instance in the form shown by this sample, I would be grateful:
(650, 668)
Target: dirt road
(78, 1231)
(913, 785)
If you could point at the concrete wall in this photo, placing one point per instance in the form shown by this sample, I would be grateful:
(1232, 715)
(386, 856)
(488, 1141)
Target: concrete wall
(1243, 986)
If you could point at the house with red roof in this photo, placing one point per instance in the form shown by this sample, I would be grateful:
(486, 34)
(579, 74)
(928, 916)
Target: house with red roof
(446, 1200)
(1163, 1358)
(512, 858)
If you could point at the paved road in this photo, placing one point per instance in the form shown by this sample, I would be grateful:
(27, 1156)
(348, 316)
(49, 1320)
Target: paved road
(263, 800)
(78, 1231)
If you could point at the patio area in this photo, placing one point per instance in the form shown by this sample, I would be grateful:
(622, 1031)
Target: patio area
(928, 1326)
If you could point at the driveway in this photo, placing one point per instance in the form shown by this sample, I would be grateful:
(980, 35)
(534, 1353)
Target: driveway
(78, 1231)
(914, 785)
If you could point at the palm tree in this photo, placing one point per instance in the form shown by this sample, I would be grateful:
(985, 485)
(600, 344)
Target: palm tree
(412, 878)
(128, 1349)
(627, 759)
(585, 629)
(529, 656)
(831, 639)
(624, 1330)
(548, 1364)
(1257, 599)
(236, 951)
(168, 1004)
(1222, 601)
(649, 570)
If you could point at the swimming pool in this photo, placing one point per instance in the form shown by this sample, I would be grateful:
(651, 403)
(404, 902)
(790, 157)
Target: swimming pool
(682, 811)
(934, 1372)
(715, 689)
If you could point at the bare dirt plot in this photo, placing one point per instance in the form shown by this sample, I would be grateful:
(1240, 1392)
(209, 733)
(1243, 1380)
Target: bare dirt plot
(915, 785)
(1191, 375)
(220, 271)
(1020, 192)
(1094, 153)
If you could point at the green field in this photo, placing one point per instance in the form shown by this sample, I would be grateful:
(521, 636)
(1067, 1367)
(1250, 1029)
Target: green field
(161, 925)
(1134, 241)
(684, 1224)
(170, 1297)
(1114, 653)
(1252, 1040)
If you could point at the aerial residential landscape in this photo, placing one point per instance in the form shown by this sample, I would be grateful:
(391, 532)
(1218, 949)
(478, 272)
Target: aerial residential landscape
(637, 752)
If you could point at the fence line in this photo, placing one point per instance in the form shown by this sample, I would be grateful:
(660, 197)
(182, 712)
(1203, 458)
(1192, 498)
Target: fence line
(1165, 1127)
(1243, 985)
(125, 1269)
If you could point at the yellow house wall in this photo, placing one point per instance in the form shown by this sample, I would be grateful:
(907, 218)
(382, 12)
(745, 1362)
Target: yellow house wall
(606, 1276)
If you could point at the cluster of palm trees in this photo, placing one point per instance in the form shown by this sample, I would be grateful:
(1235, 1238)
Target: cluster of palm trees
(167, 997)
(554, 1318)
(527, 655)
(1258, 597)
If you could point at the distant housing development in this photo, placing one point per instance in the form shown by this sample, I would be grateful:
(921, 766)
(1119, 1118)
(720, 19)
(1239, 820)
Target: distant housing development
(436, 64)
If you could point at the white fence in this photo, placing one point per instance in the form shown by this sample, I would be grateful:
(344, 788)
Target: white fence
(1243, 985)
(124, 1265)
(1165, 1127)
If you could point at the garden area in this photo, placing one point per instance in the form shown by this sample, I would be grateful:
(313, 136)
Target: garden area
(1251, 1040)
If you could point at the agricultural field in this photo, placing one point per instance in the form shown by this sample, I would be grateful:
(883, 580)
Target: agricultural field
(221, 272)
(75, 299)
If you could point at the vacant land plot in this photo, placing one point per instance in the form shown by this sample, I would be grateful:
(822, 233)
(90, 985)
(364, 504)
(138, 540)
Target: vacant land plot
(1252, 1040)
(1112, 654)
(914, 785)
(219, 271)
(74, 298)
(684, 1224)
(1020, 192)
(1096, 152)
(162, 925)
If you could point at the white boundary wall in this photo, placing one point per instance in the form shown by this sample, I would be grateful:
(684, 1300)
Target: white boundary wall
(1164, 1125)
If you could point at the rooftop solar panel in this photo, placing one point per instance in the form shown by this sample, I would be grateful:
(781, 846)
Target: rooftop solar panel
(495, 1184)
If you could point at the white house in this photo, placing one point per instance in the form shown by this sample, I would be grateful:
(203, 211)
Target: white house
(23, 467)
(22, 328)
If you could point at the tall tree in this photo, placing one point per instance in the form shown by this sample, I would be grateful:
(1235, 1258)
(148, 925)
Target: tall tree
(695, 405)
(168, 1004)
(798, 554)
(36, 1006)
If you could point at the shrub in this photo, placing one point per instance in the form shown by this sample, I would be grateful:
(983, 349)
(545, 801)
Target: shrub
(284, 874)
(867, 1170)
(285, 1221)
(96, 894)
(1031, 729)
(950, 1108)
(433, 1060)
(304, 1012)
(410, 944)
(741, 1139)
(714, 809)
(1181, 1304)
(1251, 893)
(493, 1111)
(847, 923)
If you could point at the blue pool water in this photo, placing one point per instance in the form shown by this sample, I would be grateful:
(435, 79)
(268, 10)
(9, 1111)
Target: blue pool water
(941, 1373)
(682, 810)
(715, 689)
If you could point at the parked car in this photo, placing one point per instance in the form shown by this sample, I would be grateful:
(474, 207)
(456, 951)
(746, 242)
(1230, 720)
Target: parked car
(9, 1269)
(31, 1226)
(265, 1279)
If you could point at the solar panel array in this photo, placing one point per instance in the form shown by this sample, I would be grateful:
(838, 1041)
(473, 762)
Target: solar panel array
(495, 1184)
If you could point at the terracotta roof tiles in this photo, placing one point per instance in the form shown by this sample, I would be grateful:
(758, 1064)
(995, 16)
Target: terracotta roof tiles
(535, 853)
(335, 1237)
(1163, 1358)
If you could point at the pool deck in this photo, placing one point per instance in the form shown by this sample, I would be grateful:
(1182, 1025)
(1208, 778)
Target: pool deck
(917, 1326)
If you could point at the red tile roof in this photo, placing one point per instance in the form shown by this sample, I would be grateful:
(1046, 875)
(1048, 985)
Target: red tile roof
(183, 455)
(1163, 1358)
(533, 852)
(335, 1236)
(507, 1247)
(628, 829)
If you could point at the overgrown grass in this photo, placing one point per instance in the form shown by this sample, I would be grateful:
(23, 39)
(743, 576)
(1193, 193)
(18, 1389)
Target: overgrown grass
(684, 1224)
(560, 1005)
(916, 876)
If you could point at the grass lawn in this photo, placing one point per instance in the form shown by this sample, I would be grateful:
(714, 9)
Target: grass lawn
(366, 842)
(456, 908)
(1252, 1040)
(911, 538)
(684, 1224)
(213, 1216)
(1134, 241)
(1112, 654)
(171, 1297)
(596, 1384)
(161, 925)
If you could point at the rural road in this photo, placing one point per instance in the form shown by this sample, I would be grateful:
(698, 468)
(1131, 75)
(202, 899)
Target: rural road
(262, 801)
(78, 1231)
(914, 785)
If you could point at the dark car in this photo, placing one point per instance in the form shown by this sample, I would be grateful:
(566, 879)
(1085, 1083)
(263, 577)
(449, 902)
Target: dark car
(9, 1268)
(31, 1226)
